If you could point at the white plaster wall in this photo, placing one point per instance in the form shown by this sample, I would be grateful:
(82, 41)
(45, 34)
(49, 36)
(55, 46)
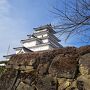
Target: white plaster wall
(40, 48)
(43, 35)
(45, 41)
(39, 36)
(34, 43)
(2, 64)
(7, 59)
(17, 51)
(20, 51)
(30, 44)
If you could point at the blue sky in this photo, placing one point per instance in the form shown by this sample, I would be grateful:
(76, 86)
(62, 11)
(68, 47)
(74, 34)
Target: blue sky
(19, 17)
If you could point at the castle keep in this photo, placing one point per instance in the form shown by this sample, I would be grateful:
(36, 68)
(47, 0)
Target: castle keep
(43, 38)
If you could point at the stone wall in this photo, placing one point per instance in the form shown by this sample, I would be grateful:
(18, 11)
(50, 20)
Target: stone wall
(59, 69)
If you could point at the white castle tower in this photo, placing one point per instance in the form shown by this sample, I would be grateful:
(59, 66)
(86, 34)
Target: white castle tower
(43, 38)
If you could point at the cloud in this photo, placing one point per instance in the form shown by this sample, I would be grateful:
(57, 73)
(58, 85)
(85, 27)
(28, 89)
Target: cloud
(4, 8)
(12, 29)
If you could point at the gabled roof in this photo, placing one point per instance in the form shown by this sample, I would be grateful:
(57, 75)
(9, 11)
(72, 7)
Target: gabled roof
(18, 48)
(24, 48)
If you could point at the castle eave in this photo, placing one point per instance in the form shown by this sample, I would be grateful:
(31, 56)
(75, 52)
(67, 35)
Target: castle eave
(48, 26)
(24, 48)
(8, 56)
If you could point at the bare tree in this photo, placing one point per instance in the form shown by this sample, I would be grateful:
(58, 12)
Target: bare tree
(75, 19)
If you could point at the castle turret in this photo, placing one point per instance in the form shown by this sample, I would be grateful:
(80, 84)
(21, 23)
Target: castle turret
(43, 38)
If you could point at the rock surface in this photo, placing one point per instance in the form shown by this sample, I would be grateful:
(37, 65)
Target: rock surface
(84, 63)
(59, 69)
(63, 66)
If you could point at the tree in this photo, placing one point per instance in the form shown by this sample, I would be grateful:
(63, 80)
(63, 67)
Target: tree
(75, 19)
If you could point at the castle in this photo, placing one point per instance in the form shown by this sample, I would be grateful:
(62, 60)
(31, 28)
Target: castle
(43, 38)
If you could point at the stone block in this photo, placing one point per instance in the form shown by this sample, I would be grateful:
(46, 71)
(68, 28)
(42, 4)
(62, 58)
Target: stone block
(23, 86)
(84, 64)
(46, 83)
(64, 66)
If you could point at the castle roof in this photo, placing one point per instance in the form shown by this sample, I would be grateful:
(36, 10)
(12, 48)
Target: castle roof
(8, 56)
(34, 39)
(48, 26)
(24, 48)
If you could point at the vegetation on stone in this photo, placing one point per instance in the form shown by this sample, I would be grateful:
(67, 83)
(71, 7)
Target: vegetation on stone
(59, 69)
(2, 68)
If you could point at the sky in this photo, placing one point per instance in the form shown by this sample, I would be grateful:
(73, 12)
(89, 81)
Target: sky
(19, 17)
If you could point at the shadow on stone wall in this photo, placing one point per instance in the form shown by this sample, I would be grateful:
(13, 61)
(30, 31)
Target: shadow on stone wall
(59, 69)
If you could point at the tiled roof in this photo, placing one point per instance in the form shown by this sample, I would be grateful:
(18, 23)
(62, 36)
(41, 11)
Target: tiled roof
(24, 48)
(48, 26)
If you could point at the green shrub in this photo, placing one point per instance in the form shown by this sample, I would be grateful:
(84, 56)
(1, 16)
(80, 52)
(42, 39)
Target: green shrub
(2, 68)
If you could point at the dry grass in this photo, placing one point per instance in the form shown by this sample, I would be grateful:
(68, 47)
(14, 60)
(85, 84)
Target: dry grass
(40, 56)
(84, 49)
(64, 62)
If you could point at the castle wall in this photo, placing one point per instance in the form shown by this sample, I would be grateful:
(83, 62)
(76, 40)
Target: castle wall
(40, 48)
(30, 44)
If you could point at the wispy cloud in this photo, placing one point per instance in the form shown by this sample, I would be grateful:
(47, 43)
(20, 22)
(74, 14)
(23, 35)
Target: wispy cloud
(18, 17)
(4, 8)
(11, 28)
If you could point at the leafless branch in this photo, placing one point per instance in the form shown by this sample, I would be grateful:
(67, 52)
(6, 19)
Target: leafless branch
(74, 18)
